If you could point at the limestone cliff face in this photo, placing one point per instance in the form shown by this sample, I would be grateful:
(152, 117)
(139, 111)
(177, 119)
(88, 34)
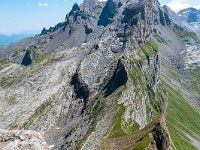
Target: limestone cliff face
(99, 85)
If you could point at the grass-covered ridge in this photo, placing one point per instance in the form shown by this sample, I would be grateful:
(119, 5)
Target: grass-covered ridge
(138, 140)
(143, 143)
(194, 74)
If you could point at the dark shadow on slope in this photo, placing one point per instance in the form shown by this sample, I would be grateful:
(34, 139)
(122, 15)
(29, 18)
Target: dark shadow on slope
(27, 59)
(107, 14)
(132, 14)
(81, 89)
(118, 79)
(162, 19)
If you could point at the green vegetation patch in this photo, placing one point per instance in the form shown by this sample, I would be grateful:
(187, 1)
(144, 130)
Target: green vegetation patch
(141, 55)
(180, 140)
(158, 100)
(96, 107)
(136, 76)
(176, 75)
(42, 57)
(149, 48)
(186, 35)
(143, 143)
(181, 117)
(38, 58)
(155, 102)
(11, 80)
(11, 100)
(168, 80)
(34, 53)
(195, 75)
(138, 140)
(117, 130)
(131, 126)
(160, 39)
(15, 52)
(168, 66)
(3, 63)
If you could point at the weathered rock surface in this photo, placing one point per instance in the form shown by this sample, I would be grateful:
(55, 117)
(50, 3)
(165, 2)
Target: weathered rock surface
(18, 140)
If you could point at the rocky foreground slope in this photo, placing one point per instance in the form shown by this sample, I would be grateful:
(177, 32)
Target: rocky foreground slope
(112, 76)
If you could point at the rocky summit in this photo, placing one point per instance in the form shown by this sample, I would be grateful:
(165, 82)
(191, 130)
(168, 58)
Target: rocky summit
(116, 74)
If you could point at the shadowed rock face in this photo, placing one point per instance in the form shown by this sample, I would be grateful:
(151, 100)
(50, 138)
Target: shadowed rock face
(81, 89)
(27, 59)
(118, 79)
(108, 13)
(88, 30)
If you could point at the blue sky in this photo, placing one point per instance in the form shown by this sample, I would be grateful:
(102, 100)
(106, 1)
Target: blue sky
(19, 16)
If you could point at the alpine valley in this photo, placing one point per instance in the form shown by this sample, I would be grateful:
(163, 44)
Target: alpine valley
(115, 75)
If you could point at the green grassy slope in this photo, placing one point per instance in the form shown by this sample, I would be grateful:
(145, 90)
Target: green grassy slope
(181, 119)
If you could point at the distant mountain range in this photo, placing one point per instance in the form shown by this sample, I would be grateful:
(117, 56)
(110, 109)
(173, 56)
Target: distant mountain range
(188, 18)
(8, 39)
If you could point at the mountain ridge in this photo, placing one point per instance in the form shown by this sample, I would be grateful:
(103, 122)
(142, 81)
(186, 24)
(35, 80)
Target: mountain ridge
(90, 84)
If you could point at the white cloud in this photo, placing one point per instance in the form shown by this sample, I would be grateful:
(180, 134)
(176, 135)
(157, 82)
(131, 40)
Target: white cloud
(43, 4)
(177, 5)
(197, 7)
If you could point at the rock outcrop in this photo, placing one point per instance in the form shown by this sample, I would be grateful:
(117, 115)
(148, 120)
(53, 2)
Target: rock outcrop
(18, 140)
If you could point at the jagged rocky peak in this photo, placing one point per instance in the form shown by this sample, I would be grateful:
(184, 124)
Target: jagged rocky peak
(108, 13)
(75, 7)
(104, 10)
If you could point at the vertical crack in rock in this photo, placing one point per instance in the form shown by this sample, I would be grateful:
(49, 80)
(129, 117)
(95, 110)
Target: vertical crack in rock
(162, 19)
